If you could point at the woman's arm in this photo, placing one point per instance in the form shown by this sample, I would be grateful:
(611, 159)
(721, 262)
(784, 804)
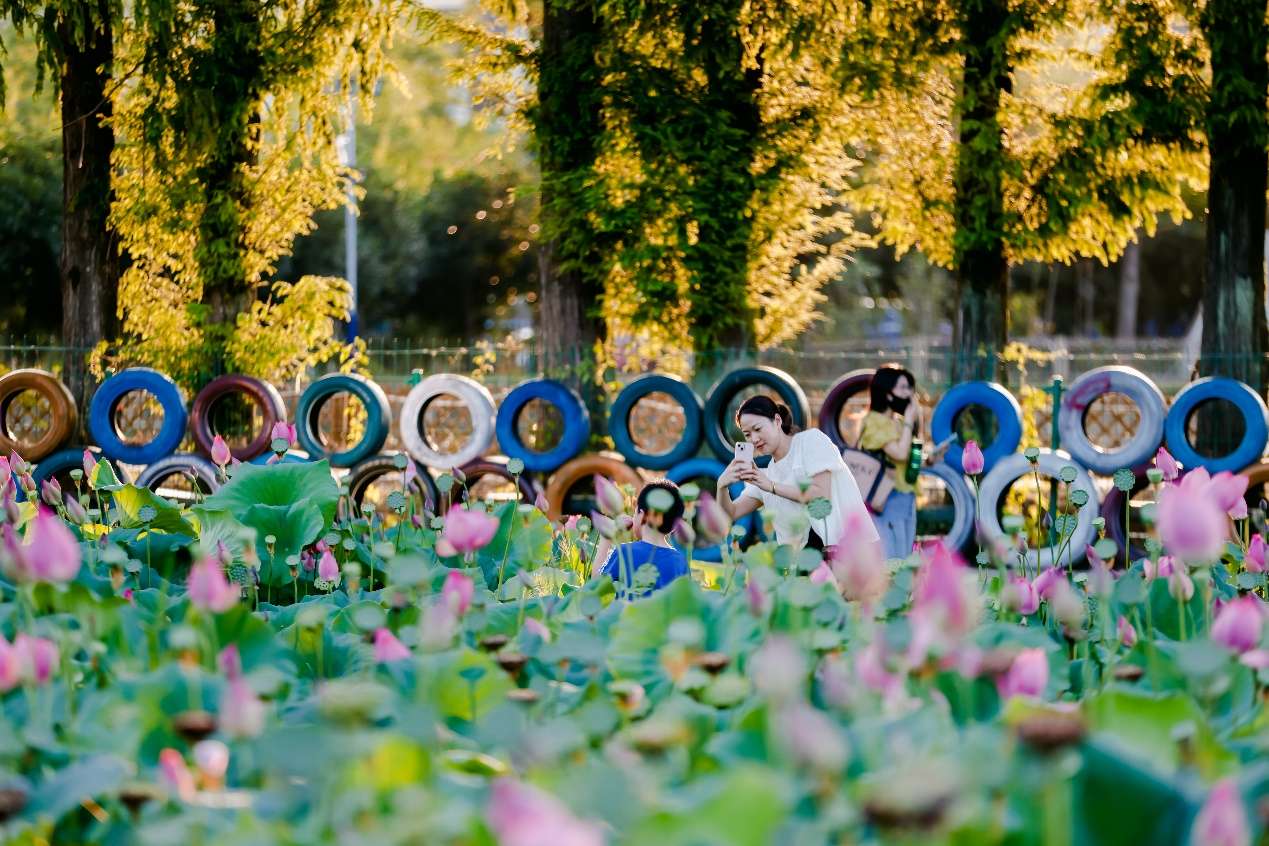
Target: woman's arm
(898, 448)
(819, 487)
(735, 508)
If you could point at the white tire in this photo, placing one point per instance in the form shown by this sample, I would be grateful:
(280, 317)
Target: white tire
(480, 405)
(1049, 464)
(1151, 408)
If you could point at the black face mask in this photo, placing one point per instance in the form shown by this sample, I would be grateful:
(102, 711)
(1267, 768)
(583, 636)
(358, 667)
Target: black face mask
(899, 404)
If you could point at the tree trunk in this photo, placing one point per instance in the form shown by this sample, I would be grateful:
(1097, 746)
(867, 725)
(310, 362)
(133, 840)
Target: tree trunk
(1234, 320)
(1129, 291)
(90, 262)
(982, 269)
(1086, 292)
(568, 125)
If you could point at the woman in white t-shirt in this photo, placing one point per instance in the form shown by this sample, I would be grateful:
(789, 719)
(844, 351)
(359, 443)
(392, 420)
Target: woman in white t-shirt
(804, 467)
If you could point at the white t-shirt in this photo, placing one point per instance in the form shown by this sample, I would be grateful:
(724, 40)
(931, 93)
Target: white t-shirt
(812, 453)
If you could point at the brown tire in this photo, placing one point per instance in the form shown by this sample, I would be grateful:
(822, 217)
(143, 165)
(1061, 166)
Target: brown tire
(573, 471)
(475, 470)
(64, 416)
(1257, 474)
(263, 395)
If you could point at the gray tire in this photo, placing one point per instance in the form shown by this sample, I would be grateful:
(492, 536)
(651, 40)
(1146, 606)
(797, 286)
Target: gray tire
(480, 405)
(962, 503)
(1050, 464)
(1151, 406)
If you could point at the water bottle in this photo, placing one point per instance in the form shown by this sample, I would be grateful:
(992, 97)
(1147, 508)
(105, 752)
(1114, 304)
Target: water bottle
(913, 469)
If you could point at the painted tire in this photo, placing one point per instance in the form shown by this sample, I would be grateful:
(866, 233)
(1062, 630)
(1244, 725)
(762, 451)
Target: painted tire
(367, 472)
(60, 463)
(315, 397)
(843, 390)
(480, 405)
(709, 468)
(263, 395)
(563, 480)
(497, 466)
(1151, 408)
(187, 463)
(1050, 463)
(101, 415)
(619, 421)
(994, 398)
(290, 457)
(1249, 405)
(1112, 511)
(962, 504)
(726, 389)
(63, 416)
(572, 410)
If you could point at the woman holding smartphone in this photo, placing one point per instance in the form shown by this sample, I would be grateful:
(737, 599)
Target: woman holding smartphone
(892, 421)
(805, 466)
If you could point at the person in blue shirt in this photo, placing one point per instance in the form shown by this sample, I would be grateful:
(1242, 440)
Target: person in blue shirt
(656, 516)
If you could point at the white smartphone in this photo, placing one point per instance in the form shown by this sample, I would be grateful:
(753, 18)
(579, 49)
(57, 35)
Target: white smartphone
(744, 451)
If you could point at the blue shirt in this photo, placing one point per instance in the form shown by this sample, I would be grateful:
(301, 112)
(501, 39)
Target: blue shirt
(670, 562)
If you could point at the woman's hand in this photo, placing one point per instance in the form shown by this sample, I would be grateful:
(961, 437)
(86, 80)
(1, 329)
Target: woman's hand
(732, 474)
(753, 475)
(912, 414)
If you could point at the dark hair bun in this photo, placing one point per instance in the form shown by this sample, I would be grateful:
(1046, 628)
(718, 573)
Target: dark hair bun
(786, 417)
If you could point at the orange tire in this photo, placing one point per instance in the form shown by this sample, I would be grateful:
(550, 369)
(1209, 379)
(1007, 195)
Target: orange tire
(63, 415)
(1257, 474)
(573, 471)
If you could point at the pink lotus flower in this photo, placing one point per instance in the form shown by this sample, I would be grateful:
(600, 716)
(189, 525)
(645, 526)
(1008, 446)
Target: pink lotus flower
(822, 575)
(230, 662)
(1127, 634)
(1044, 582)
(941, 591)
(6, 471)
(972, 459)
(606, 526)
(684, 533)
(521, 815)
(220, 453)
(540, 503)
(1239, 511)
(1181, 586)
(174, 773)
(570, 522)
(1254, 560)
(756, 597)
(10, 666)
(810, 737)
(468, 530)
(1021, 596)
(51, 492)
(50, 554)
(1228, 490)
(90, 464)
(410, 475)
(18, 465)
(1239, 624)
(37, 658)
(1067, 606)
(1222, 821)
(860, 565)
(212, 759)
(1028, 675)
(1167, 464)
(457, 591)
(1161, 569)
(870, 668)
(388, 648)
(75, 511)
(536, 627)
(712, 522)
(283, 431)
(241, 713)
(778, 669)
(608, 496)
(1192, 524)
(209, 589)
(328, 568)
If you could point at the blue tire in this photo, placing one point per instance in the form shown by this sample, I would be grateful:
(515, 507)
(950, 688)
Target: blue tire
(572, 409)
(995, 399)
(619, 421)
(314, 398)
(59, 465)
(709, 469)
(716, 424)
(101, 413)
(1249, 405)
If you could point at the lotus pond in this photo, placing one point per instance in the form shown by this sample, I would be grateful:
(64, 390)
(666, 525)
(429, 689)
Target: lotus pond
(269, 665)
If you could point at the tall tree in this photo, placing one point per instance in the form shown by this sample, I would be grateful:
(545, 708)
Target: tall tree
(229, 149)
(987, 143)
(76, 49)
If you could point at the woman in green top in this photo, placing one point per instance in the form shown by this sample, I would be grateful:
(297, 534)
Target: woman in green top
(889, 426)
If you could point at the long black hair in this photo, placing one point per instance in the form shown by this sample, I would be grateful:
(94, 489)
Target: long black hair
(765, 406)
(883, 382)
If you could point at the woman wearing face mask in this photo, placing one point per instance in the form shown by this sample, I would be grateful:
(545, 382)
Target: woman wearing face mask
(796, 459)
(892, 421)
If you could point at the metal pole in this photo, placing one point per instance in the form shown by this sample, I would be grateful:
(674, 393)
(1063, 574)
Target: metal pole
(350, 215)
